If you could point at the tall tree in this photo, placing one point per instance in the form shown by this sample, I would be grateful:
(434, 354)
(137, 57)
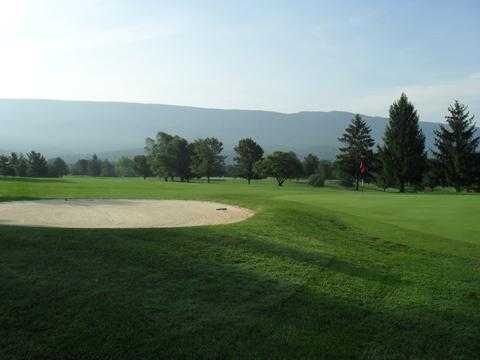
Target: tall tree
(356, 148)
(456, 145)
(384, 174)
(141, 166)
(161, 155)
(311, 165)
(280, 165)
(37, 165)
(207, 159)
(248, 153)
(182, 152)
(57, 167)
(404, 154)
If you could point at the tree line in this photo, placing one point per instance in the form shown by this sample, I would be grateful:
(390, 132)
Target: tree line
(402, 159)
(171, 156)
(32, 164)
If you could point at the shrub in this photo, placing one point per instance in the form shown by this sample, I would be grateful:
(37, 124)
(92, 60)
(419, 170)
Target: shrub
(316, 180)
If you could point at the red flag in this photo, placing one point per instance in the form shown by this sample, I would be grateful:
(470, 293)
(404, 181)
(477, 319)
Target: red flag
(363, 168)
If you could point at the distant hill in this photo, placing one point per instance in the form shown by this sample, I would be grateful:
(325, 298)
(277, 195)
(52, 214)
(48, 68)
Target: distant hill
(73, 129)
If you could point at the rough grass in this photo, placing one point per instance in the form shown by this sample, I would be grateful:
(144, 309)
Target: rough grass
(317, 273)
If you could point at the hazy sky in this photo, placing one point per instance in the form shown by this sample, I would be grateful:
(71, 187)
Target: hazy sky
(286, 56)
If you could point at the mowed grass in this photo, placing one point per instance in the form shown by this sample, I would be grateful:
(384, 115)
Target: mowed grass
(316, 273)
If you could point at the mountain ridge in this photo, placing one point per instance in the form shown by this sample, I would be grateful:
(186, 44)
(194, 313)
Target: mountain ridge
(74, 129)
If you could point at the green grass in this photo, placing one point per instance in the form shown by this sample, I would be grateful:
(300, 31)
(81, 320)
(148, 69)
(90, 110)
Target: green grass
(316, 273)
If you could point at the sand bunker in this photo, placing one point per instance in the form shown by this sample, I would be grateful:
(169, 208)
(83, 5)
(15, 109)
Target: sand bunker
(112, 214)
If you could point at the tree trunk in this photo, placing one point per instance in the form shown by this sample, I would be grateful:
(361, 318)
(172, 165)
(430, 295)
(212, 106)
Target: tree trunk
(402, 186)
(208, 179)
(357, 180)
(248, 181)
(166, 178)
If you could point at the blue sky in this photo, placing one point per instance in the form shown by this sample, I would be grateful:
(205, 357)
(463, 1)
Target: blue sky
(285, 56)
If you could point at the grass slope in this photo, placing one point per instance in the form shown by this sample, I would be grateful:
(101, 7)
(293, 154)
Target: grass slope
(317, 273)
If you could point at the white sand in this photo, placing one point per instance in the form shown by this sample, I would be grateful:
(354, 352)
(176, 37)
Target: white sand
(112, 214)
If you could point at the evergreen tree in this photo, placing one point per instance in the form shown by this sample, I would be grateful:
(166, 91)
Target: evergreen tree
(456, 145)
(311, 165)
(208, 160)
(384, 174)
(19, 164)
(403, 153)
(14, 161)
(6, 168)
(37, 165)
(356, 147)
(248, 153)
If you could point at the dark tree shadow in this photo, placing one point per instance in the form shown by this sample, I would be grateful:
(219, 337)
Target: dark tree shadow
(189, 293)
(35, 180)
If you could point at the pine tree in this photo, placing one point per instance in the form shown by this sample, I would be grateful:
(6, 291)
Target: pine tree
(6, 168)
(37, 165)
(403, 152)
(456, 144)
(356, 147)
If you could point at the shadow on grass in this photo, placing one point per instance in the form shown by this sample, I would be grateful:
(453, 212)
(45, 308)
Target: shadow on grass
(184, 293)
(34, 180)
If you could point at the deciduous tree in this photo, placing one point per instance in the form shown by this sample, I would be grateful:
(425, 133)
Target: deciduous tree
(281, 165)
(248, 153)
(141, 166)
(208, 160)
(57, 167)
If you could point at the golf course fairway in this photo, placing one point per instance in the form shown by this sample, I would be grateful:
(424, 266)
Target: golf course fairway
(314, 273)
